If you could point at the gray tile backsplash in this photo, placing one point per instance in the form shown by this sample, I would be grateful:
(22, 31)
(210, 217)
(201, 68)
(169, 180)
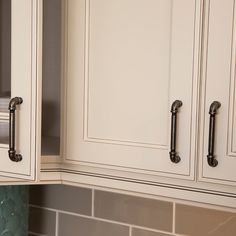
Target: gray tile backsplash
(42, 221)
(134, 210)
(79, 226)
(197, 221)
(87, 212)
(60, 197)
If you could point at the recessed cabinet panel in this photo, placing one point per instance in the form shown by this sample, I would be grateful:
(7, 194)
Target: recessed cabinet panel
(126, 63)
(18, 79)
(125, 56)
(219, 85)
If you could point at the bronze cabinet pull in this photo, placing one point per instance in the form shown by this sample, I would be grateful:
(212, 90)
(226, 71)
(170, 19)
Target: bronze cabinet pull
(174, 110)
(211, 142)
(12, 117)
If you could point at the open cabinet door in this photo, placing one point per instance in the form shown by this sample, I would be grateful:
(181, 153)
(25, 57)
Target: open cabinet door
(18, 79)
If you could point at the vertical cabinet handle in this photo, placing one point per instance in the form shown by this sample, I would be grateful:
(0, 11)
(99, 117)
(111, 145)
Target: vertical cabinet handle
(211, 142)
(12, 120)
(174, 110)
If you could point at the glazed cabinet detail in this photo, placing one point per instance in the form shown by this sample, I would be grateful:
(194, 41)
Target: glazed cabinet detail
(18, 81)
(218, 85)
(131, 80)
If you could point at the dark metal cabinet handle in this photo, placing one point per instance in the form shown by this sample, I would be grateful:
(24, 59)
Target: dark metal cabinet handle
(174, 110)
(12, 108)
(211, 142)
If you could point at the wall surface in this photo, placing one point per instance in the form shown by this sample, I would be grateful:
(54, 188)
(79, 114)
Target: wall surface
(60, 210)
(13, 210)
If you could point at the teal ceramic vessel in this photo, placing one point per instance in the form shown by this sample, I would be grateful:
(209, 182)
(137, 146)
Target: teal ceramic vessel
(14, 210)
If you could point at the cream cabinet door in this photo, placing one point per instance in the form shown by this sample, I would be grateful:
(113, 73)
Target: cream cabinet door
(127, 61)
(18, 20)
(219, 85)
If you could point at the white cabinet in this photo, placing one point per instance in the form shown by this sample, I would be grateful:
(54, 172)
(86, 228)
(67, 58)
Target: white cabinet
(30, 68)
(127, 62)
(18, 78)
(219, 85)
(123, 64)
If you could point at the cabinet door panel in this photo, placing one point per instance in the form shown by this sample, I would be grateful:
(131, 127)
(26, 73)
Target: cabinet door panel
(219, 85)
(127, 62)
(121, 84)
(18, 79)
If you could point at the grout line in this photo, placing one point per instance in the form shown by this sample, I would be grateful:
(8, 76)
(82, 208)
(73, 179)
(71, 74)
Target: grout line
(36, 234)
(130, 231)
(174, 213)
(57, 223)
(101, 219)
(154, 230)
(92, 208)
(80, 215)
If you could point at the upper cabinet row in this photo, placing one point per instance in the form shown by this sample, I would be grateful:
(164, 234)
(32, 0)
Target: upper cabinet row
(148, 86)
